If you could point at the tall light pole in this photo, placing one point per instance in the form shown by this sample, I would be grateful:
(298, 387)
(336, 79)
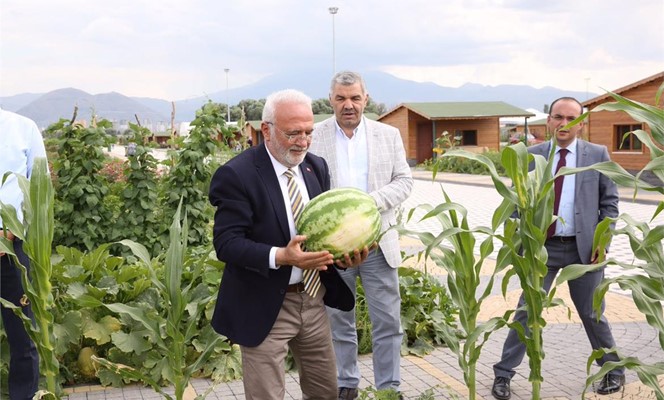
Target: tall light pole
(228, 105)
(333, 11)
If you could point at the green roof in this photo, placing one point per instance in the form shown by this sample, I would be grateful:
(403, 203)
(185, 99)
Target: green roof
(467, 109)
(541, 121)
(317, 118)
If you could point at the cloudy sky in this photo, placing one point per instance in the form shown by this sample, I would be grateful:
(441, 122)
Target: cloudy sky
(178, 49)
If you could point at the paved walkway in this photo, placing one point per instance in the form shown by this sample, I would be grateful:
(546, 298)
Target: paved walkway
(626, 194)
(565, 344)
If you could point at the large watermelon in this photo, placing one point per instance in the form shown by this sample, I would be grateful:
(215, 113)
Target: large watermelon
(340, 221)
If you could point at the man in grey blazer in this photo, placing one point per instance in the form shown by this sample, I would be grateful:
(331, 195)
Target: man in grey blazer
(586, 199)
(370, 156)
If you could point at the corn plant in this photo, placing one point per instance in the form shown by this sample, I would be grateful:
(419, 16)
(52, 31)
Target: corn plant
(36, 232)
(173, 329)
(531, 198)
(453, 250)
(647, 285)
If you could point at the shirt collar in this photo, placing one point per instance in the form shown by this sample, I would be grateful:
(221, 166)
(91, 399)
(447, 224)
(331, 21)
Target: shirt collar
(280, 168)
(572, 147)
(357, 131)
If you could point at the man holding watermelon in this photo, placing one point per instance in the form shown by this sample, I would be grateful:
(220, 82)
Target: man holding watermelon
(264, 303)
(369, 156)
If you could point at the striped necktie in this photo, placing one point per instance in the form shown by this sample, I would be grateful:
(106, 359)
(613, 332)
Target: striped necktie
(310, 276)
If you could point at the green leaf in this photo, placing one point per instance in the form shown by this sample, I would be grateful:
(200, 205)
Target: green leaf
(68, 331)
(133, 342)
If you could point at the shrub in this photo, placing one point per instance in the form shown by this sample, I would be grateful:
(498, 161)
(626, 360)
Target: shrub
(425, 309)
(465, 166)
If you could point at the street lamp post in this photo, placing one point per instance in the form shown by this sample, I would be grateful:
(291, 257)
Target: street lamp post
(228, 105)
(333, 11)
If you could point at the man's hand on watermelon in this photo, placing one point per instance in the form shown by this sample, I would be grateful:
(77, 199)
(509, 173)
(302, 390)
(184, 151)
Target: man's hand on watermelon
(358, 257)
(293, 254)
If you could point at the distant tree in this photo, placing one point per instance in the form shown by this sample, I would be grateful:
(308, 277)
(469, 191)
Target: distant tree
(322, 106)
(545, 109)
(376, 108)
(253, 109)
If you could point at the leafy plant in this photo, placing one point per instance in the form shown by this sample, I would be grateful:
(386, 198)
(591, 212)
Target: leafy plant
(172, 326)
(82, 216)
(390, 394)
(140, 219)
(531, 197)
(426, 313)
(36, 233)
(462, 165)
(453, 250)
(362, 321)
(78, 275)
(647, 284)
(189, 177)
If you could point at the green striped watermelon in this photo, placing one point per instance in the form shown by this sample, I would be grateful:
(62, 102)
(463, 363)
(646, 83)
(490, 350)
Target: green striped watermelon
(340, 221)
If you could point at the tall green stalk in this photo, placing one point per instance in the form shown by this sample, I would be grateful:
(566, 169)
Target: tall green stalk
(453, 250)
(531, 198)
(174, 328)
(647, 285)
(36, 232)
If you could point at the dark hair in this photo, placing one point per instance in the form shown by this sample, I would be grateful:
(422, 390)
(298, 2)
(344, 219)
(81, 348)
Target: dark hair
(566, 98)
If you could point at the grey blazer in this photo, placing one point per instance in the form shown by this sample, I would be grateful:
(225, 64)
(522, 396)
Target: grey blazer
(390, 179)
(595, 195)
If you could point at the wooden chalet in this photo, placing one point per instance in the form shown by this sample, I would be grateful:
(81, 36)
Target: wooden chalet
(608, 127)
(475, 124)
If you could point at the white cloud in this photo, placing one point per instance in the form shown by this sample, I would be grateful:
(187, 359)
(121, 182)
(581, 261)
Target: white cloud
(174, 49)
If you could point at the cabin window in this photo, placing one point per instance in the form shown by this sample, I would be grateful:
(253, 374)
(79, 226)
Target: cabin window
(467, 138)
(629, 143)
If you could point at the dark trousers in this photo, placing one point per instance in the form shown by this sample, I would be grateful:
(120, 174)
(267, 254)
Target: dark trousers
(581, 291)
(23, 356)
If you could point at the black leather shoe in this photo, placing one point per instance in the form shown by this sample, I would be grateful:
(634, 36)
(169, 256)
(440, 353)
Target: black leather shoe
(347, 393)
(611, 383)
(501, 388)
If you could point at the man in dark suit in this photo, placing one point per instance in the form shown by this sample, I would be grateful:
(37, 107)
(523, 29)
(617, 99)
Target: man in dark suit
(585, 199)
(262, 304)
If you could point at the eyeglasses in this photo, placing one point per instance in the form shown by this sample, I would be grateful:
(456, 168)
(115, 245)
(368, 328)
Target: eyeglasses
(558, 117)
(293, 136)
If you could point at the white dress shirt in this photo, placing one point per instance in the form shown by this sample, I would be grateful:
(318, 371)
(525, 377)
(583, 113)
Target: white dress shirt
(353, 158)
(21, 144)
(565, 224)
(279, 169)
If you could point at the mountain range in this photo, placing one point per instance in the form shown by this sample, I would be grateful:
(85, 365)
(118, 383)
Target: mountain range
(47, 108)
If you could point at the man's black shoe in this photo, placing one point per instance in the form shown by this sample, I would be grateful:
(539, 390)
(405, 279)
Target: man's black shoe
(347, 393)
(611, 383)
(501, 388)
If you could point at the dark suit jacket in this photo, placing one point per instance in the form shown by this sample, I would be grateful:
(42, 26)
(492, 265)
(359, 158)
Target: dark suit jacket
(595, 195)
(250, 219)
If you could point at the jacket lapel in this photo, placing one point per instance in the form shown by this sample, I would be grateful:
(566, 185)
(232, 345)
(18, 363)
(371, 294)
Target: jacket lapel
(329, 138)
(582, 160)
(372, 146)
(310, 180)
(269, 177)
